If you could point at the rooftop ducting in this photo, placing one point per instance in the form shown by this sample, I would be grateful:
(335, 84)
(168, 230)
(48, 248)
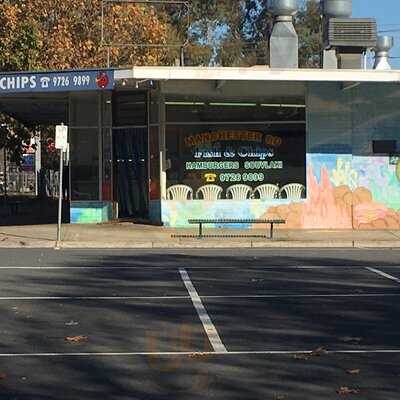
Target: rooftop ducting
(346, 39)
(383, 46)
(351, 32)
(284, 42)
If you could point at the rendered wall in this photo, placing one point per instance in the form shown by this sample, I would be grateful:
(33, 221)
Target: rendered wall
(348, 187)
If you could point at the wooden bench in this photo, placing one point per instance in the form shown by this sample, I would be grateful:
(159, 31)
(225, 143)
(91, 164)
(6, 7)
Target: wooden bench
(202, 222)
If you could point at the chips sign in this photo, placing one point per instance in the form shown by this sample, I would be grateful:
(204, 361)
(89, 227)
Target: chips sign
(57, 81)
(62, 137)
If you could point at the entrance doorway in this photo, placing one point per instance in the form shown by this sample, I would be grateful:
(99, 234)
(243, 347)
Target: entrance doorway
(130, 147)
(130, 155)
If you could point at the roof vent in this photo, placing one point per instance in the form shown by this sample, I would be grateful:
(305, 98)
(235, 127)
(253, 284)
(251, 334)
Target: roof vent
(351, 32)
(337, 8)
(283, 43)
(383, 46)
(345, 38)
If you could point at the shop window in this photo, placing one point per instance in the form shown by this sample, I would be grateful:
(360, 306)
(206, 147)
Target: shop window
(238, 149)
(84, 164)
(129, 109)
(84, 109)
(239, 161)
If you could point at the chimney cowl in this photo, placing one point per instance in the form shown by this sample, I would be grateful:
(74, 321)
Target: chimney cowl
(382, 49)
(283, 7)
(337, 8)
(384, 43)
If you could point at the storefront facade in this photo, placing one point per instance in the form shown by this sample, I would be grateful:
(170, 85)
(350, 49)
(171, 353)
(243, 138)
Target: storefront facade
(320, 153)
(317, 148)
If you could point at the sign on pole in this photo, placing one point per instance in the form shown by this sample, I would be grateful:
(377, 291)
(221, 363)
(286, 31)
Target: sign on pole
(62, 137)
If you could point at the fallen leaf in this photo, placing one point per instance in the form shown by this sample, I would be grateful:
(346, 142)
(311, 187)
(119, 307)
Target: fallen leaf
(354, 371)
(302, 356)
(71, 323)
(349, 339)
(3, 376)
(76, 339)
(197, 355)
(257, 280)
(344, 391)
(319, 351)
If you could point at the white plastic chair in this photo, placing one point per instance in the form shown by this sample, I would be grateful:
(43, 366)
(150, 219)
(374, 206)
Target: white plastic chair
(267, 191)
(209, 192)
(239, 192)
(293, 191)
(179, 192)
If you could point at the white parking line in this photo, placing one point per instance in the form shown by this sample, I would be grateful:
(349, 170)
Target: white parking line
(279, 296)
(269, 267)
(238, 296)
(384, 274)
(95, 298)
(209, 327)
(194, 353)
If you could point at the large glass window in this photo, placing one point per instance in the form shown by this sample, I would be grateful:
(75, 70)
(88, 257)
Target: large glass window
(84, 164)
(260, 146)
(85, 145)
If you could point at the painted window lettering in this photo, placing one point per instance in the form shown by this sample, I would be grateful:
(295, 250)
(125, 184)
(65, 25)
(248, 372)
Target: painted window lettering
(246, 177)
(263, 165)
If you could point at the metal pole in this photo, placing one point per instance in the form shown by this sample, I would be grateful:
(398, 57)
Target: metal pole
(38, 161)
(182, 56)
(5, 173)
(60, 197)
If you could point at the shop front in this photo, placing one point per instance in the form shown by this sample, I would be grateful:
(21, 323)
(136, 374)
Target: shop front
(161, 145)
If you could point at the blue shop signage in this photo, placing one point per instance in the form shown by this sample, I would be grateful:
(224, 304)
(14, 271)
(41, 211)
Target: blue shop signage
(57, 81)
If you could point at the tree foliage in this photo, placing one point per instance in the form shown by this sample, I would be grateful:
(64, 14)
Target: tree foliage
(54, 34)
(15, 137)
(236, 33)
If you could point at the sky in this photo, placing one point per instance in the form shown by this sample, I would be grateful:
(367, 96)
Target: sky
(387, 14)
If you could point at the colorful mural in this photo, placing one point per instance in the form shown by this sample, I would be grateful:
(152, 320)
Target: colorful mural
(343, 192)
(90, 212)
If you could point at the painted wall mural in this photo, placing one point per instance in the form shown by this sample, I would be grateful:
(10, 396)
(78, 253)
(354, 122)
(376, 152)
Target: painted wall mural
(343, 192)
(90, 212)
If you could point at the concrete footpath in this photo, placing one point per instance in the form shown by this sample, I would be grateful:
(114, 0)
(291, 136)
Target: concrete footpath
(128, 235)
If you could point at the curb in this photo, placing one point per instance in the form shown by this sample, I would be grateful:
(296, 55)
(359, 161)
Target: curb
(378, 244)
(206, 244)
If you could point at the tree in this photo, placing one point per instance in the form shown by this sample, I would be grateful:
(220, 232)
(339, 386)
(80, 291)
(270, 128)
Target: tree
(67, 34)
(14, 137)
(237, 33)
(54, 34)
(309, 28)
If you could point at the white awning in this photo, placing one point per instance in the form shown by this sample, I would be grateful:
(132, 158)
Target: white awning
(255, 74)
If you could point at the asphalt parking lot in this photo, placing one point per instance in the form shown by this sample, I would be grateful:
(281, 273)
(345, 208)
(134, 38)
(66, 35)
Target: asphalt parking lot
(282, 326)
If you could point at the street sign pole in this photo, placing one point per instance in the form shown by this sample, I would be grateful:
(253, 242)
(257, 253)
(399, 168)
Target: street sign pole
(60, 198)
(62, 145)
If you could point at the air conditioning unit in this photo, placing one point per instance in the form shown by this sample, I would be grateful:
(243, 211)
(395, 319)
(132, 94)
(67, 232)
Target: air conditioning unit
(351, 32)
